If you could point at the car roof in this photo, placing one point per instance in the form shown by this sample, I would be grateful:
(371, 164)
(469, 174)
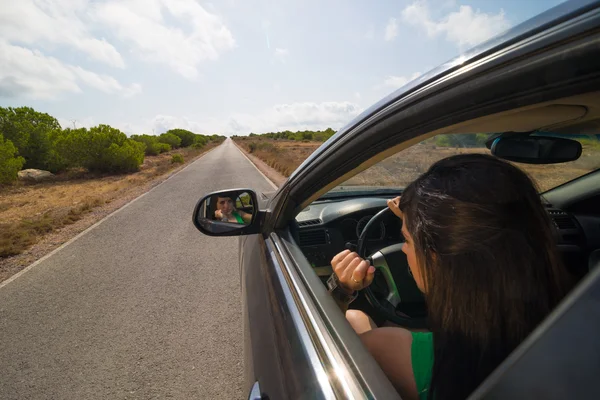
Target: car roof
(554, 16)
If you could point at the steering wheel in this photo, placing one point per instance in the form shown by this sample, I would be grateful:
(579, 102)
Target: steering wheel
(385, 304)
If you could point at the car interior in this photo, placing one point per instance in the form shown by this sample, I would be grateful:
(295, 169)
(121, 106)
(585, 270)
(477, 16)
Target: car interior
(338, 215)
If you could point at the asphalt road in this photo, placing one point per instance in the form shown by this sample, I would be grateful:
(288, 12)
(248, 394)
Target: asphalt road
(143, 306)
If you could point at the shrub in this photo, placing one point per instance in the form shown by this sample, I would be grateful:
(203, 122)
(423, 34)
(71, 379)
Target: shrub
(10, 163)
(163, 147)
(252, 147)
(100, 149)
(30, 132)
(177, 158)
(187, 138)
(170, 139)
(197, 145)
(124, 158)
(153, 147)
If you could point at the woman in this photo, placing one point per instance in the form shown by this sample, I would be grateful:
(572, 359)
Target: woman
(480, 247)
(226, 212)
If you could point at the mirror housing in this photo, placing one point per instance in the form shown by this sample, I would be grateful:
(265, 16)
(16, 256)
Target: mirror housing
(535, 149)
(231, 212)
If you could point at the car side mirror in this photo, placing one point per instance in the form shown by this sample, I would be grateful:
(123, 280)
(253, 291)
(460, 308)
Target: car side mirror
(228, 213)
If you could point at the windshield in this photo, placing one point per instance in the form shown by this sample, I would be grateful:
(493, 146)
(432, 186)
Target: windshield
(397, 171)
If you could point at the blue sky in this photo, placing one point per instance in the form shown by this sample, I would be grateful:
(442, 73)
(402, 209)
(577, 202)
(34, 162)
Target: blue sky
(233, 66)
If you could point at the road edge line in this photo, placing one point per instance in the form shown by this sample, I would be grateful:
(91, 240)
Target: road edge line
(254, 165)
(80, 234)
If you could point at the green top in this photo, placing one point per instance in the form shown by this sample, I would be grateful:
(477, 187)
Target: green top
(238, 217)
(422, 361)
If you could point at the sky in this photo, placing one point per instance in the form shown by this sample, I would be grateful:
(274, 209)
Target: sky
(231, 66)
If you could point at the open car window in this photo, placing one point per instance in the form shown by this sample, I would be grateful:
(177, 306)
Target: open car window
(400, 169)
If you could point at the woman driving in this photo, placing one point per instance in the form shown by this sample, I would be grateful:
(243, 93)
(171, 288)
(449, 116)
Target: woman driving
(480, 246)
(227, 212)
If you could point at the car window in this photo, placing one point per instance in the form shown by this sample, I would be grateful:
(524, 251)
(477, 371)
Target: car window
(405, 166)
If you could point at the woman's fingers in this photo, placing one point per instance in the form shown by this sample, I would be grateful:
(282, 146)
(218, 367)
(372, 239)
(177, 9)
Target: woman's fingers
(353, 272)
(338, 258)
(394, 205)
(347, 276)
(369, 277)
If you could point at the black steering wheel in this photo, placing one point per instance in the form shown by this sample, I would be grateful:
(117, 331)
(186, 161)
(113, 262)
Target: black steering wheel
(403, 290)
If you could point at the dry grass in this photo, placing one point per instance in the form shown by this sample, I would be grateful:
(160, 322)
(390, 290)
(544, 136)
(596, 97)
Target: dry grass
(282, 155)
(30, 211)
(404, 167)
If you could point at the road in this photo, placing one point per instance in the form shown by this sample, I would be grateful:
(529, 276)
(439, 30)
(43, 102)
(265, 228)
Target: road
(143, 306)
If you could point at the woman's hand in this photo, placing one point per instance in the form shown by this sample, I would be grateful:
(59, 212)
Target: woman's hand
(353, 272)
(218, 215)
(394, 205)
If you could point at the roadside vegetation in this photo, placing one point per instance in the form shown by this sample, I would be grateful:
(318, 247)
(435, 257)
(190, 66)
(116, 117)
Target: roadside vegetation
(90, 168)
(283, 151)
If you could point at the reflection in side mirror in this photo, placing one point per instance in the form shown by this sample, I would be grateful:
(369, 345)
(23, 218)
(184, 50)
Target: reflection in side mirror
(226, 213)
(536, 149)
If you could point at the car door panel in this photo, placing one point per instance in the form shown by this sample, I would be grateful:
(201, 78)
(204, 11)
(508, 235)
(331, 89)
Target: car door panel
(279, 352)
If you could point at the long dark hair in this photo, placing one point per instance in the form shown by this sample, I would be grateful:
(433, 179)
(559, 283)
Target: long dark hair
(489, 263)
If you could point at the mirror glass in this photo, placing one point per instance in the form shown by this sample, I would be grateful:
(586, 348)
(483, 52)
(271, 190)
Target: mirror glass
(227, 211)
(536, 149)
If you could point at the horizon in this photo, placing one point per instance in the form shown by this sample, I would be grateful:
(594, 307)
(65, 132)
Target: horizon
(233, 68)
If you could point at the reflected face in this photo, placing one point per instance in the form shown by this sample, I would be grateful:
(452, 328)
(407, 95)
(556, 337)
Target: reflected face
(225, 204)
(409, 249)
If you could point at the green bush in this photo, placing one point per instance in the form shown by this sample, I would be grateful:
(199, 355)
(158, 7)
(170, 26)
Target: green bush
(443, 141)
(30, 132)
(462, 140)
(151, 143)
(163, 147)
(177, 158)
(124, 158)
(10, 163)
(252, 147)
(197, 145)
(201, 140)
(100, 149)
(187, 138)
(172, 140)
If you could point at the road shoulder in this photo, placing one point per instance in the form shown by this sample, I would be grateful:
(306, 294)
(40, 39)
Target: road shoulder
(277, 178)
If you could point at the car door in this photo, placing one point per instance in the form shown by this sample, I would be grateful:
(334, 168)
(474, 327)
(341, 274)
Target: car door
(297, 343)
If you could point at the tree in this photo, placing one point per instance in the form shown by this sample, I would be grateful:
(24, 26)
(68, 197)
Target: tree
(153, 147)
(187, 137)
(99, 149)
(172, 140)
(30, 132)
(10, 162)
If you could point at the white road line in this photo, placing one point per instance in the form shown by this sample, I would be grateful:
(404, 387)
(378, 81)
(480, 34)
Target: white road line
(259, 171)
(28, 268)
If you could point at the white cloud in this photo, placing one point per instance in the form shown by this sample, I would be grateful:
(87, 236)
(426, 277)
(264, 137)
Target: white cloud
(282, 54)
(399, 81)
(199, 35)
(294, 117)
(55, 22)
(29, 73)
(465, 27)
(391, 30)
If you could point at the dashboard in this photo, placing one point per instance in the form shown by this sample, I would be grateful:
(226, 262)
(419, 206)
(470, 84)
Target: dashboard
(327, 227)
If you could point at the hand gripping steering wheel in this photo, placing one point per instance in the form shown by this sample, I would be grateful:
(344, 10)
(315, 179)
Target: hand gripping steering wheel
(385, 304)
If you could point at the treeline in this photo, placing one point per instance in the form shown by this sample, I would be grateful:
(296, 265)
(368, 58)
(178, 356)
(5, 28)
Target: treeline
(31, 139)
(319, 136)
(461, 140)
